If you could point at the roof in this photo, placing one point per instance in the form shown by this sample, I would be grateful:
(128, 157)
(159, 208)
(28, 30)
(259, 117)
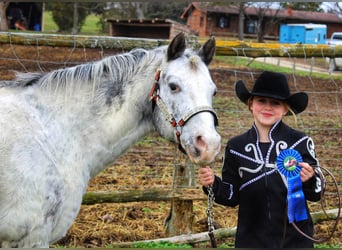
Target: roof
(155, 21)
(308, 25)
(310, 16)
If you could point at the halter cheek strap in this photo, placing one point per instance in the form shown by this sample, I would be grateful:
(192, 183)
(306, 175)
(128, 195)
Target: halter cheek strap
(178, 125)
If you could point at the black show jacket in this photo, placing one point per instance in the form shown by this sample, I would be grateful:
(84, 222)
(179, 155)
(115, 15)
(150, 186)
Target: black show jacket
(251, 180)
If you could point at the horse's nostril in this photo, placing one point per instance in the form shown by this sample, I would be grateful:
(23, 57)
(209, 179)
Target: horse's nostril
(200, 144)
(205, 149)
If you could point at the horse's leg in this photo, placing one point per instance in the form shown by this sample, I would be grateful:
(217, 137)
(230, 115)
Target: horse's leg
(27, 220)
(14, 244)
(36, 238)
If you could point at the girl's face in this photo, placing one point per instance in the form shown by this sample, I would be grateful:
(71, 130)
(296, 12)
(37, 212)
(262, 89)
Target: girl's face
(267, 111)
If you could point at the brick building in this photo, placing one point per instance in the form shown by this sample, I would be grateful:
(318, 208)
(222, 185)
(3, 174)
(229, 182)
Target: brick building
(204, 19)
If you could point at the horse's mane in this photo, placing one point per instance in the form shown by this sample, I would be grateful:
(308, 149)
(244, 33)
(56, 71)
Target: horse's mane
(116, 69)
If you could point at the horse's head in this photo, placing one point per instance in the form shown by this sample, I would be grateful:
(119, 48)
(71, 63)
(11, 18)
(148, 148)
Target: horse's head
(183, 96)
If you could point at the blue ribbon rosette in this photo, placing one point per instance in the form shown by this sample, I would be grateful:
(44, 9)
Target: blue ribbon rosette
(287, 164)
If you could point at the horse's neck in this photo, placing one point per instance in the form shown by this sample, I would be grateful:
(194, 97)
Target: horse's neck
(113, 135)
(94, 113)
(98, 132)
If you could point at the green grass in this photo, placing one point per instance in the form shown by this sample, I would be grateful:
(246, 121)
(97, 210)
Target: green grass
(49, 24)
(164, 244)
(241, 61)
(91, 25)
(325, 245)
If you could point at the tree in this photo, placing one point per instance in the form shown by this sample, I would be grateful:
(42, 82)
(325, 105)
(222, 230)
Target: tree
(241, 7)
(3, 18)
(64, 15)
(125, 10)
(141, 10)
(306, 6)
(263, 9)
(338, 6)
(241, 20)
(334, 8)
(173, 10)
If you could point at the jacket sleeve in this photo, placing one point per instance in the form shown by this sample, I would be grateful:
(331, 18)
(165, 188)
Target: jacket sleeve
(226, 189)
(312, 188)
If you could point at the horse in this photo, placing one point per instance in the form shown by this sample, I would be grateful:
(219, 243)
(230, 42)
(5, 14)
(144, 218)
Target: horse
(59, 129)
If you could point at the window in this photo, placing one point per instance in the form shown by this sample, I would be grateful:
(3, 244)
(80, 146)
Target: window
(337, 37)
(251, 26)
(222, 22)
(201, 21)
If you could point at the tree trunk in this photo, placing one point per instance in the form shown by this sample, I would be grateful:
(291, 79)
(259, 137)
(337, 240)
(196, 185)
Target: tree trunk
(139, 12)
(3, 17)
(260, 31)
(241, 21)
(75, 19)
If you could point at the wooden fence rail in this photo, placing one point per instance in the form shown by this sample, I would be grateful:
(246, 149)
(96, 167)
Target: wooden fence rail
(220, 233)
(224, 48)
(70, 41)
(185, 194)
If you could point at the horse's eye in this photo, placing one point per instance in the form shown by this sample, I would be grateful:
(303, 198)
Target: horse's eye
(215, 92)
(174, 87)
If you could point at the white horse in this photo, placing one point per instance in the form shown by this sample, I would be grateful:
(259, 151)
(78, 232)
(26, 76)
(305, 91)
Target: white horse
(60, 129)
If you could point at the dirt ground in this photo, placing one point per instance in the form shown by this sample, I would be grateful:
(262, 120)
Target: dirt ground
(150, 163)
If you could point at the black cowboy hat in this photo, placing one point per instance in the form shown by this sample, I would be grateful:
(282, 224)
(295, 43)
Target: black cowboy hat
(273, 85)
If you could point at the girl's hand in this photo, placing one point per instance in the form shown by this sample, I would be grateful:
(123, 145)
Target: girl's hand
(307, 171)
(206, 176)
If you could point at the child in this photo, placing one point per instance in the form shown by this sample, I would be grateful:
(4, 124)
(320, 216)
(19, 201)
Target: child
(250, 177)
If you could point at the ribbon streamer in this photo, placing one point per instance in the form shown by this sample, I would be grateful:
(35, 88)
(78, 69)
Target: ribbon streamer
(287, 164)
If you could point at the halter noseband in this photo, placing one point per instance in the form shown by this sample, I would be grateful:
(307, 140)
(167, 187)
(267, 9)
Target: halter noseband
(156, 100)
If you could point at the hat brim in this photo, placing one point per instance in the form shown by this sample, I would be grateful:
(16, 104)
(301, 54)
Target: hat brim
(297, 102)
(242, 92)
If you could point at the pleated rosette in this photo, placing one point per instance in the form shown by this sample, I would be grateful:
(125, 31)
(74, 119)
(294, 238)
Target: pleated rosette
(287, 164)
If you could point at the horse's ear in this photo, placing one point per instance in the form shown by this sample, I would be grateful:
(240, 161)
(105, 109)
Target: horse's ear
(176, 47)
(207, 51)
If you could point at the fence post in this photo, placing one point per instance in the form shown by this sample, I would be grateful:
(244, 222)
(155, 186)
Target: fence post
(181, 215)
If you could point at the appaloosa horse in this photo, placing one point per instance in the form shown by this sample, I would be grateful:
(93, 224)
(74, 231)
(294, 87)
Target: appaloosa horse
(60, 129)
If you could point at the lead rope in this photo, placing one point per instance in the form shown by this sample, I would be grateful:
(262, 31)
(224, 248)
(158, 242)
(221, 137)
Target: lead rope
(337, 219)
(211, 200)
(287, 165)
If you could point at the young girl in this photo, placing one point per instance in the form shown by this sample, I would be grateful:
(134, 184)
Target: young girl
(250, 177)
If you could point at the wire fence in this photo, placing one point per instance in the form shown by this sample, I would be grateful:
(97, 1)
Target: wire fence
(150, 164)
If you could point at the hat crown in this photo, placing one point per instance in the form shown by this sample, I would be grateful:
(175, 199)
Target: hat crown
(273, 85)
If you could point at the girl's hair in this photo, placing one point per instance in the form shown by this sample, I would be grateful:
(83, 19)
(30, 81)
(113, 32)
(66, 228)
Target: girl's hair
(249, 103)
(292, 113)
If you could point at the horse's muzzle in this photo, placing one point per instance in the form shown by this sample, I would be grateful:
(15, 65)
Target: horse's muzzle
(204, 149)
